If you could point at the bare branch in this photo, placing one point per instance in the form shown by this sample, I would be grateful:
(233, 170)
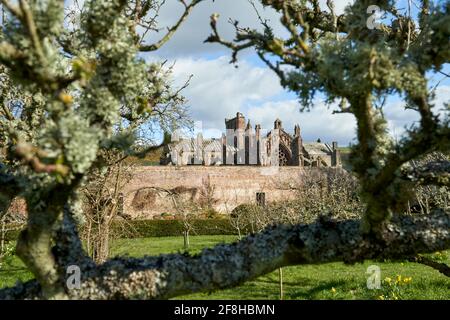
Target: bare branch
(28, 20)
(216, 38)
(171, 31)
(12, 8)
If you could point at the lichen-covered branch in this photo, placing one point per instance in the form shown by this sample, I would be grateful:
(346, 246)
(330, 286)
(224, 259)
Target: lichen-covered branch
(228, 265)
(9, 189)
(71, 104)
(439, 266)
(432, 173)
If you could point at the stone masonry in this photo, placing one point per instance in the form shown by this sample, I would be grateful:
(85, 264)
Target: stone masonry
(148, 194)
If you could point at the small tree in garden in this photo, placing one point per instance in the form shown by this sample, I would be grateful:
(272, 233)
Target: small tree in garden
(75, 89)
(185, 209)
(207, 197)
(428, 197)
(102, 205)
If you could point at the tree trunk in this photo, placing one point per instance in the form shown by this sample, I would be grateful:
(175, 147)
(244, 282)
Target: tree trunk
(280, 278)
(34, 249)
(88, 238)
(34, 246)
(104, 244)
(186, 239)
(2, 245)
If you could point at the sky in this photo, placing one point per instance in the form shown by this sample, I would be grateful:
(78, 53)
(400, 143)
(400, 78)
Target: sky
(218, 89)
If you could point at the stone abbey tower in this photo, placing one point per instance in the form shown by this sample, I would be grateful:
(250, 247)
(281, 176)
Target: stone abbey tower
(243, 145)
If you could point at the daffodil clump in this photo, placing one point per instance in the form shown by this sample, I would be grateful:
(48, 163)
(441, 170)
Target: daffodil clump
(394, 287)
(440, 256)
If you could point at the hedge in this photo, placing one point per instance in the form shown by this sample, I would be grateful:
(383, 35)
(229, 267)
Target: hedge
(163, 228)
(166, 228)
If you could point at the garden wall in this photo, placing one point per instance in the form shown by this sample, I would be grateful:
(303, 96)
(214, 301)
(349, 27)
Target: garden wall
(148, 193)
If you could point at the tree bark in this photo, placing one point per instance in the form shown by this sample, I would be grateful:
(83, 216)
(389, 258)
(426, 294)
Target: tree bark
(441, 267)
(34, 246)
(9, 189)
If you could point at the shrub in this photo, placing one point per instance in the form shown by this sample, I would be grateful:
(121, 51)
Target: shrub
(161, 228)
(166, 228)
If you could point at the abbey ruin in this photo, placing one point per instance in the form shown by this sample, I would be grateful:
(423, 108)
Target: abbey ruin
(243, 166)
(243, 145)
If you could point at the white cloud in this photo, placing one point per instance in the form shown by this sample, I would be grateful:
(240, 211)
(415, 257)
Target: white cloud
(320, 122)
(339, 5)
(399, 118)
(218, 90)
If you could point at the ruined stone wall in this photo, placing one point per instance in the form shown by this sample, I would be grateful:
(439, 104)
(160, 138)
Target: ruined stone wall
(147, 194)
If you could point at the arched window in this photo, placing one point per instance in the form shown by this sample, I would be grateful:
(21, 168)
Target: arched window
(283, 161)
(283, 156)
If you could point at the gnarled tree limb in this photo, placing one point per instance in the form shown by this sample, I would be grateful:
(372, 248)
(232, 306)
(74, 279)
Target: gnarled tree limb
(441, 267)
(434, 172)
(228, 265)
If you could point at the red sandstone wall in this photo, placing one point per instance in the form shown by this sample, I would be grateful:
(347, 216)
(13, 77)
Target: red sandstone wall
(233, 185)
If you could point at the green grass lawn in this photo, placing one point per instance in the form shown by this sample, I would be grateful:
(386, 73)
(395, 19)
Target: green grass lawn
(326, 281)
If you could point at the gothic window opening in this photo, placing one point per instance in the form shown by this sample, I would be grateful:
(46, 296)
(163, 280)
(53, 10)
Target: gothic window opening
(283, 161)
(284, 157)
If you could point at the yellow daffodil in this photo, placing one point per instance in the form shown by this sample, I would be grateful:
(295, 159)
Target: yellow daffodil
(333, 290)
(407, 280)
